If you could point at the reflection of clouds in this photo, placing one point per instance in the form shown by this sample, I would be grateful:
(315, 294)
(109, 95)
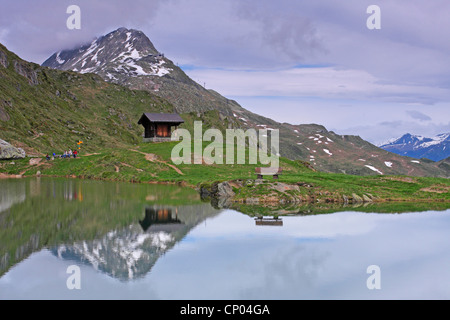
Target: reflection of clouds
(44, 276)
(291, 272)
(308, 259)
(315, 226)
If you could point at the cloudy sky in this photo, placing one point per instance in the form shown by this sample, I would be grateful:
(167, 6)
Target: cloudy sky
(304, 61)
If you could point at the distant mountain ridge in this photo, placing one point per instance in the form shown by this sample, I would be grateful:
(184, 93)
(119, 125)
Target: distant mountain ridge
(435, 148)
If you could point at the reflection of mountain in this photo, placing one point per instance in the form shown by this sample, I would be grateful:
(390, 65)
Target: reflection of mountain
(47, 212)
(131, 252)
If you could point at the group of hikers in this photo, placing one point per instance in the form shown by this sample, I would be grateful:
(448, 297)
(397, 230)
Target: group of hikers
(66, 154)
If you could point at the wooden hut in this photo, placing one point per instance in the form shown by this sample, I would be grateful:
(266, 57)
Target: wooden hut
(158, 126)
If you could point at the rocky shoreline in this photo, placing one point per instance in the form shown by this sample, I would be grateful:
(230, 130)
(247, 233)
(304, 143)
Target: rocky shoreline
(260, 191)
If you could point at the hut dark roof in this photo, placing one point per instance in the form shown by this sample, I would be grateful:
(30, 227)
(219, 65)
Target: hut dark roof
(162, 117)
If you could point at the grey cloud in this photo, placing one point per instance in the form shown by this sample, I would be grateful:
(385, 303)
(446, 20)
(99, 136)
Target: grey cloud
(285, 32)
(36, 29)
(391, 124)
(418, 115)
(261, 34)
(293, 272)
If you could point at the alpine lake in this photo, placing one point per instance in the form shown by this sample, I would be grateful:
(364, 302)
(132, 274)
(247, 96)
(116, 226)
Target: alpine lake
(84, 239)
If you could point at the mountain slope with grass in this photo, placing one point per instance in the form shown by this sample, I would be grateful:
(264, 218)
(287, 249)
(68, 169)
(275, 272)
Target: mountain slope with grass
(128, 57)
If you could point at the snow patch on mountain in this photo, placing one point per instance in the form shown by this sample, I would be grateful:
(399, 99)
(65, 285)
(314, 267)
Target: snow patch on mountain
(373, 169)
(436, 140)
(58, 59)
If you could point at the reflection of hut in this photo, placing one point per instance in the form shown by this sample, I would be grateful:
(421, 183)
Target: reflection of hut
(160, 219)
(269, 222)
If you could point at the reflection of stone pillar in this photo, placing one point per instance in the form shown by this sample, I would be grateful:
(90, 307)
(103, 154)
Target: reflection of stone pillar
(35, 187)
(68, 190)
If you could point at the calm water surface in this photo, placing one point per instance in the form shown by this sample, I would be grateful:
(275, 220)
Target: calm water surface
(135, 241)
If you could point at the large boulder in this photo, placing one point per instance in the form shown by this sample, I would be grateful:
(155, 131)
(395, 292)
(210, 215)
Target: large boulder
(7, 151)
(225, 190)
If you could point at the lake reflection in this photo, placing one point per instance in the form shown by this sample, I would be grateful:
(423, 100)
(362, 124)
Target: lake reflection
(161, 242)
(94, 222)
(130, 253)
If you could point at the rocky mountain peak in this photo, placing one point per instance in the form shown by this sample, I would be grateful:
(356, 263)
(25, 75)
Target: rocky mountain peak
(128, 57)
(121, 53)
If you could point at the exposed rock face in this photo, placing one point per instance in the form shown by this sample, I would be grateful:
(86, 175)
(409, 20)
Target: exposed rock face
(3, 60)
(26, 71)
(7, 151)
(224, 189)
